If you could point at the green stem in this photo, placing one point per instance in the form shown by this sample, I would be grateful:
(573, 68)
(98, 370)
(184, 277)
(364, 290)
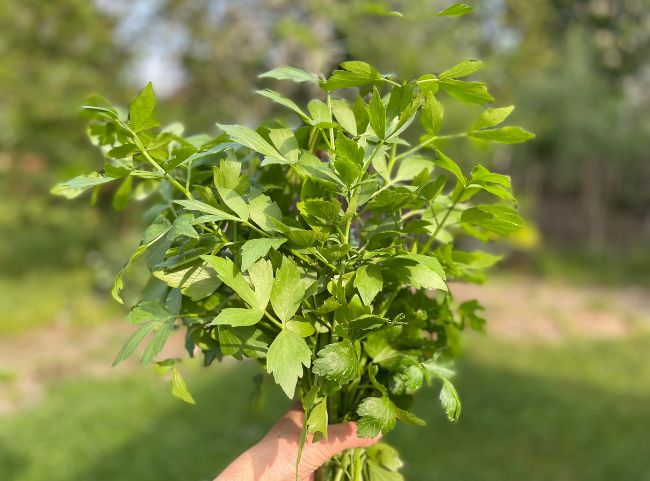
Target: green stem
(441, 224)
(357, 470)
(389, 81)
(155, 164)
(312, 140)
(429, 141)
(273, 320)
(329, 106)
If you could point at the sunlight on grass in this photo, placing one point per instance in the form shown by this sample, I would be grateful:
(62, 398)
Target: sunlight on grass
(64, 297)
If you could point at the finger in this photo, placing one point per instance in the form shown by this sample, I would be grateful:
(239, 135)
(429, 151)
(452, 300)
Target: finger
(344, 436)
(295, 412)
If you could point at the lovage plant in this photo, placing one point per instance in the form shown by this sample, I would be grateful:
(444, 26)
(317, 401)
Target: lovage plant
(321, 248)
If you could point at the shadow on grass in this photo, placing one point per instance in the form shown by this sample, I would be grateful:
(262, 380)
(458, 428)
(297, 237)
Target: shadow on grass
(514, 426)
(11, 461)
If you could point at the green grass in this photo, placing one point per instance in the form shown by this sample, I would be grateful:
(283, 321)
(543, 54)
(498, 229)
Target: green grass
(575, 411)
(45, 297)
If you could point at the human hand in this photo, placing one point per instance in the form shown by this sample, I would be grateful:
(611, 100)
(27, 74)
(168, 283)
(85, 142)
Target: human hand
(274, 457)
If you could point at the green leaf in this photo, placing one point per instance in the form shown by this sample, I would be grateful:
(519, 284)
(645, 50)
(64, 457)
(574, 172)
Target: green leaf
(290, 73)
(412, 166)
(383, 463)
(377, 416)
(285, 360)
(317, 419)
(300, 326)
(235, 202)
(470, 92)
(369, 282)
(75, 187)
(300, 237)
(157, 229)
(498, 219)
(455, 10)
(450, 400)
(462, 69)
(97, 104)
(163, 333)
(419, 271)
(377, 114)
(134, 340)
(378, 345)
(492, 116)
(264, 212)
(380, 10)
(261, 276)
(122, 195)
(197, 205)
(337, 362)
(288, 290)
(483, 176)
(182, 227)
(409, 417)
(230, 275)
(195, 282)
(227, 174)
(152, 235)
(141, 110)
(503, 135)
(255, 249)
(431, 115)
(282, 100)
(148, 311)
(179, 388)
(353, 74)
(319, 111)
(344, 116)
(286, 143)
(360, 110)
(251, 139)
(236, 316)
(310, 166)
(320, 212)
(360, 327)
(446, 163)
(240, 342)
(467, 311)
(349, 159)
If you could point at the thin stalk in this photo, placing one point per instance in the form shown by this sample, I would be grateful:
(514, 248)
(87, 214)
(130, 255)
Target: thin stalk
(155, 164)
(329, 106)
(273, 320)
(429, 141)
(313, 136)
(389, 81)
(441, 224)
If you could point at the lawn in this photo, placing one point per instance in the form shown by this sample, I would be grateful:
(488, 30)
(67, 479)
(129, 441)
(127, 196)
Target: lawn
(571, 410)
(45, 297)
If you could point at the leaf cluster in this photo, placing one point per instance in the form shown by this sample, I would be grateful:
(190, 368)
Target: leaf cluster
(321, 246)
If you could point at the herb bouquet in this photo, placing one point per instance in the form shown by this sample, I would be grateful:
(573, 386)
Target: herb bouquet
(320, 248)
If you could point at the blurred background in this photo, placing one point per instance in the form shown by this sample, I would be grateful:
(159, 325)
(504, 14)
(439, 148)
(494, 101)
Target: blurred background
(558, 388)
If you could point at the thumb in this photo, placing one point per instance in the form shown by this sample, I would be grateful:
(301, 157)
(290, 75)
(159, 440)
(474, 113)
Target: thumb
(339, 438)
(344, 436)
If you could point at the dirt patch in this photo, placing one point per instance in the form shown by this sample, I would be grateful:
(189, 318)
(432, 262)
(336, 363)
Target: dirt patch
(30, 360)
(524, 307)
